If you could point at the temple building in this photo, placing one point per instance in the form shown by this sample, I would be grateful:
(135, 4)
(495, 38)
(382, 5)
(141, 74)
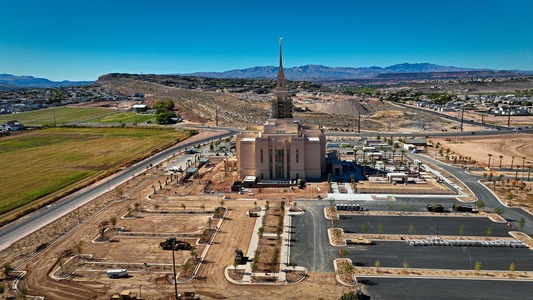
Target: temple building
(281, 149)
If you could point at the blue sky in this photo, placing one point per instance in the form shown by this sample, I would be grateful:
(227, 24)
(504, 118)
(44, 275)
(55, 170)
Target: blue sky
(81, 40)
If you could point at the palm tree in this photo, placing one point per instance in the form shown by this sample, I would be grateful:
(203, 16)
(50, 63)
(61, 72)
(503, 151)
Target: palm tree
(523, 163)
(355, 156)
(512, 161)
(393, 155)
(490, 155)
(501, 157)
(7, 270)
(113, 221)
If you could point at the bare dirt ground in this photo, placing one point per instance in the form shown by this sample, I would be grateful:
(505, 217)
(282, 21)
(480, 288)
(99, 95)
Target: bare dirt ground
(182, 210)
(513, 188)
(478, 147)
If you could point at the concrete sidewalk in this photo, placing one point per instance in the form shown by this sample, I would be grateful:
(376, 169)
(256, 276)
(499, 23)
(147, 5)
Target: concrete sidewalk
(284, 257)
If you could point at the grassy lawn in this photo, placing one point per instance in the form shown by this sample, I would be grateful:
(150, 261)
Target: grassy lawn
(40, 162)
(63, 115)
(122, 117)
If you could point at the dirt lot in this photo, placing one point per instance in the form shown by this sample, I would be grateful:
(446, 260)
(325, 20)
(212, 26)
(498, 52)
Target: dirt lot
(478, 147)
(155, 216)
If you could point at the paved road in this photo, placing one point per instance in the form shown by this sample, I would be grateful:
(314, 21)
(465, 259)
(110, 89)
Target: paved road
(20, 228)
(393, 254)
(436, 289)
(482, 193)
(430, 225)
(310, 243)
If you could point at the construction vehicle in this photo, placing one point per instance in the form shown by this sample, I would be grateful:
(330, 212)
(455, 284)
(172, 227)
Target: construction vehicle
(124, 295)
(239, 257)
(172, 244)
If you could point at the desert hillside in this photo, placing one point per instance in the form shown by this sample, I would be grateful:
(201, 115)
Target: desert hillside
(193, 105)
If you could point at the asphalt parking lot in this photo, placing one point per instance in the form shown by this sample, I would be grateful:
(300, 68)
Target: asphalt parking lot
(393, 254)
(422, 225)
(417, 288)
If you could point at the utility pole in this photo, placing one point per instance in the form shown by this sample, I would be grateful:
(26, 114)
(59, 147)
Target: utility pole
(359, 122)
(462, 117)
(509, 116)
(175, 278)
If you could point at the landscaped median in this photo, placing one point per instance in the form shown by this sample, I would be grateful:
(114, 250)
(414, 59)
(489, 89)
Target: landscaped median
(347, 271)
(268, 256)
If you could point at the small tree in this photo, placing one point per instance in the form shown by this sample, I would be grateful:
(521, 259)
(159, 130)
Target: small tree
(209, 221)
(222, 202)
(477, 266)
(344, 252)
(380, 229)
(488, 232)
(498, 211)
(512, 268)
(377, 264)
(348, 268)
(7, 272)
(101, 232)
(521, 223)
(235, 264)
(267, 205)
(113, 221)
(23, 291)
(137, 205)
(411, 229)
(461, 229)
(202, 207)
(352, 295)
(405, 266)
(480, 204)
(260, 231)
(363, 228)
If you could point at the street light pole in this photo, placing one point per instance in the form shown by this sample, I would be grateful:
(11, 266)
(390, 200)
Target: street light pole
(175, 277)
(469, 258)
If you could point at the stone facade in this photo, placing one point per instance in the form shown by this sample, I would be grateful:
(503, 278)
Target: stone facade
(281, 149)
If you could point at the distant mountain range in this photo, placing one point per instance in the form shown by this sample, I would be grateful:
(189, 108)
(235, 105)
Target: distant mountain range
(323, 73)
(8, 81)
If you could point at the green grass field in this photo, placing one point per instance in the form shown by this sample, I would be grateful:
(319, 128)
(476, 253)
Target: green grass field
(62, 115)
(122, 117)
(40, 162)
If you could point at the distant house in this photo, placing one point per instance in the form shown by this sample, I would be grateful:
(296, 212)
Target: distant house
(137, 97)
(416, 142)
(140, 107)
